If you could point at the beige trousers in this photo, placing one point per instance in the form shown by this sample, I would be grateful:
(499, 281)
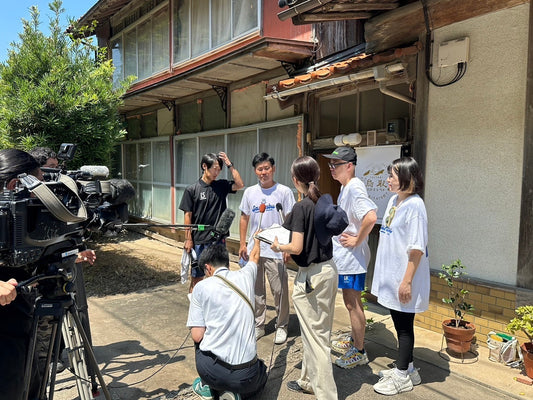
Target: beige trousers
(315, 314)
(277, 278)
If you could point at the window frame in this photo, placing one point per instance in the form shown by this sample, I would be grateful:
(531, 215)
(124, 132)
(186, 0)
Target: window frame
(134, 27)
(233, 38)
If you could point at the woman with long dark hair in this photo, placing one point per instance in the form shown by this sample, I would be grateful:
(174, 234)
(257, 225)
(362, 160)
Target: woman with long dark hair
(401, 273)
(315, 286)
(14, 162)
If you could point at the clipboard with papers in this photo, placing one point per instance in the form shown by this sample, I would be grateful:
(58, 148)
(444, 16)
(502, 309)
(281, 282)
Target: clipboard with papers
(269, 234)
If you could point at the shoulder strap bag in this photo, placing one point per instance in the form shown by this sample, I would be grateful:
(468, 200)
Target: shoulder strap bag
(236, 290)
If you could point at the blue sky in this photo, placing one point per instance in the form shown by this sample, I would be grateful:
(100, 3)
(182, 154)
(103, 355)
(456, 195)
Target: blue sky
(14, 10)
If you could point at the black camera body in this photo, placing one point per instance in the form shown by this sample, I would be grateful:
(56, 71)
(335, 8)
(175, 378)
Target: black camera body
(30, 233)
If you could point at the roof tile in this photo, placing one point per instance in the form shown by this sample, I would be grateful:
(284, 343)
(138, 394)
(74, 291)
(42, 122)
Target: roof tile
(350, 65)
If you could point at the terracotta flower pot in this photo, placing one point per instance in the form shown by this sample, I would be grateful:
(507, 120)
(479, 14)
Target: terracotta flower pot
(458, 339)
(527, 354)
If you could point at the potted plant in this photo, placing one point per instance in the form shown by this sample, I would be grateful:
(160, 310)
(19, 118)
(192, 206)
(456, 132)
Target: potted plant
(457, 331)
(524, 322)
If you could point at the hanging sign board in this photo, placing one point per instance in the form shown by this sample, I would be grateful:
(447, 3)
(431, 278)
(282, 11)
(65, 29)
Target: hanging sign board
(372, 163)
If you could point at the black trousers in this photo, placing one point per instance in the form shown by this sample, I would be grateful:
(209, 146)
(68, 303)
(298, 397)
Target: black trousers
(404, 325)
(246, 382)
(15, 327)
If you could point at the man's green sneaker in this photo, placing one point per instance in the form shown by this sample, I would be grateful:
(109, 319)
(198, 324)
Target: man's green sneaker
(202, 390)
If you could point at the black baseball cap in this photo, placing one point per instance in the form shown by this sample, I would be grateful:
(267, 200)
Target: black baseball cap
(344, 153)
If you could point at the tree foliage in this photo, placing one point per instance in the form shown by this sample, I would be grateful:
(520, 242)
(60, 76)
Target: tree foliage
(59, 88)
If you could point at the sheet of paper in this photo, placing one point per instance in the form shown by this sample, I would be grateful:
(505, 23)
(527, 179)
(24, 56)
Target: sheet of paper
(268, 235)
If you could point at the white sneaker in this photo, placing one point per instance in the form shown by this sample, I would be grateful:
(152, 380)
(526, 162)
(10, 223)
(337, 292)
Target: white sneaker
(352, 358)
(229, 396)
(393, 383)
(342, 345)
(281, 336)
(414, 375)
(259, 333)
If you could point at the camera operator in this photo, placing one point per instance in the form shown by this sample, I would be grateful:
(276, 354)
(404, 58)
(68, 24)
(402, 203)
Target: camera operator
(45, 156)
(222, 323)
(15, 311)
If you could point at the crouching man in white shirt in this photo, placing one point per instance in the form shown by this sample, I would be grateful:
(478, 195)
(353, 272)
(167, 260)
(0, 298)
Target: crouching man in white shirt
(222, 323)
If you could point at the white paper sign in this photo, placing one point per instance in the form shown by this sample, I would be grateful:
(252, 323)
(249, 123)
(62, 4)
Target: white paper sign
(372, 163)
(268, 235)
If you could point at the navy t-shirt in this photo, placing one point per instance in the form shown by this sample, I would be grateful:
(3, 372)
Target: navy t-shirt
(207, 203)
(301, 220)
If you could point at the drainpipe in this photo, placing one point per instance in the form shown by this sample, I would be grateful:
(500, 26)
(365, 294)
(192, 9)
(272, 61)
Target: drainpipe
(383, 89)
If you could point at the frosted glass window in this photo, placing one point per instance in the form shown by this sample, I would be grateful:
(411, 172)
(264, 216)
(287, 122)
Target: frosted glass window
(130, 53)
(145, 162)
(221, 29)
(130, 162)
(281, 143)
(242, 147)
(187, 163)
(144, 198)
(144, 51)
(160, 54)
(179, 194)
(244, 16)
(181, 30)
(234, 201)
(161, 160)
(161, 202)
(116, 55)
(203, 25)
(212, 144)
(200, 26)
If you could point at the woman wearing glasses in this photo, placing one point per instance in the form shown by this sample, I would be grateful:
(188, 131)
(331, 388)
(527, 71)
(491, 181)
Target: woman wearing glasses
(401, 275)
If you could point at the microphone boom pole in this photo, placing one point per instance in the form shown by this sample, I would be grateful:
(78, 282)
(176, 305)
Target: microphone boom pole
(194, 227)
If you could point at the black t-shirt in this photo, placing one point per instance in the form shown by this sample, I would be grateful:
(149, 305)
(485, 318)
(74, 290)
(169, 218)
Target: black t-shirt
(207, 203)
(301, 220)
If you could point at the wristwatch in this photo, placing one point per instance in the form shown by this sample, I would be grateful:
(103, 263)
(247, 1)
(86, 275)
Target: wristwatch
(230, 166)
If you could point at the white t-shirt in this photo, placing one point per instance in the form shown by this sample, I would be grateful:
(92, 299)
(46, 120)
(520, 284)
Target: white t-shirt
(252, 199)
(354, 200)
(407, 231)
(229, 321)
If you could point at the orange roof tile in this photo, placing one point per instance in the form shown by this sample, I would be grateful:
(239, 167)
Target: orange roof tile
(350, 65)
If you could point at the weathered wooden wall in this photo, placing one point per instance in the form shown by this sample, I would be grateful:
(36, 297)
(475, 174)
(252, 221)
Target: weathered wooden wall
(337, 36)
(405, 24)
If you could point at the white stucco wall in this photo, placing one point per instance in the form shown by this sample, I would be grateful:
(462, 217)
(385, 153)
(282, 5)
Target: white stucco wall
(475, 149)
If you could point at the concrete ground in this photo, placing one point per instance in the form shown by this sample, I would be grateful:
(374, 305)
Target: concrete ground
(144, 352)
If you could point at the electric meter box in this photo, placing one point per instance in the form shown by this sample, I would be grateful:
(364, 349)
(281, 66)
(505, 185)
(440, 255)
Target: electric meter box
(453, 52)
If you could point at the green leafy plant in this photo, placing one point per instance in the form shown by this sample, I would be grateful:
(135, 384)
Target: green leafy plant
(58, 88)
(522, 322)
(452, 273)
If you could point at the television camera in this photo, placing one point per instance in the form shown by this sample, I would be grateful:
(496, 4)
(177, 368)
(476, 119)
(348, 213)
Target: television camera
(40, 220)
(43, 224)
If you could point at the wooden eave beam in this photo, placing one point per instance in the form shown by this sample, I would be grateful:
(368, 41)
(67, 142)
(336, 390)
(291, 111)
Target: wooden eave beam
(347, 7)
(405, 24)
(285, 52)
(301, 8)
(315, 18)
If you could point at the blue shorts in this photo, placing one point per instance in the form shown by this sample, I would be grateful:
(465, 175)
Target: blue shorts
(355, 282)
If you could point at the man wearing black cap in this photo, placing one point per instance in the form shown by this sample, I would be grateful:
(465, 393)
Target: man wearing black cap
(351, 252)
